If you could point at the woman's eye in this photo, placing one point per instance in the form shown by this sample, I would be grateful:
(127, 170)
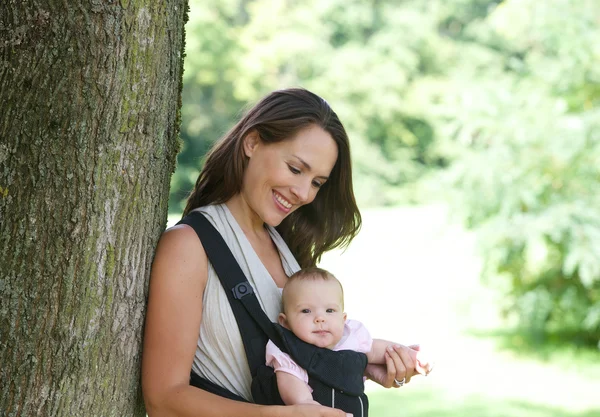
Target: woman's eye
(317, 184)
(294, 170)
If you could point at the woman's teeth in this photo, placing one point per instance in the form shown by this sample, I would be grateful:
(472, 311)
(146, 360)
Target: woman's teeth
(283, 202)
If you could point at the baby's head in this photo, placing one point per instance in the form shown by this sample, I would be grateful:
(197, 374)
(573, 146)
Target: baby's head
(313, 307)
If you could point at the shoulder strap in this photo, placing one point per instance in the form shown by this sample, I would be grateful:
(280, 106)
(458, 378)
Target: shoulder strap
(254, 325)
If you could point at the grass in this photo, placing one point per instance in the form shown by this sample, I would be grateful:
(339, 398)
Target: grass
(429, 403)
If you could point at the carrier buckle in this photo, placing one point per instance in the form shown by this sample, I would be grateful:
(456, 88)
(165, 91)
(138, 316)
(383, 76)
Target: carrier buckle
(242, 289)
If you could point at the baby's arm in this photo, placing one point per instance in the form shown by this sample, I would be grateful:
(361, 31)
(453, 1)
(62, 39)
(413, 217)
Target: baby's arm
(293, 390)
(292, 381)
(377, 353)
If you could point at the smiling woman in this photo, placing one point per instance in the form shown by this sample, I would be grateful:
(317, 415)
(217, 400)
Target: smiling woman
(283, 176)
(332, 219)
(278, 189)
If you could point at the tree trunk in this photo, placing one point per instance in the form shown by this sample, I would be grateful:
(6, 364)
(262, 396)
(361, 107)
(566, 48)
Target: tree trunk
(89, 118)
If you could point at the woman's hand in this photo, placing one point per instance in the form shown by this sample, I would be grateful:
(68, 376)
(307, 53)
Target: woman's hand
(400, 363)
(311, 410)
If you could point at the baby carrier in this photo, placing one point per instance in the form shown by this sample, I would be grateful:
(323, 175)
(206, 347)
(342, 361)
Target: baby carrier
(336, 377)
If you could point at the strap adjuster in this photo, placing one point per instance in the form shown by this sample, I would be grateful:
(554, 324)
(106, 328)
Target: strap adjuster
(242, 289)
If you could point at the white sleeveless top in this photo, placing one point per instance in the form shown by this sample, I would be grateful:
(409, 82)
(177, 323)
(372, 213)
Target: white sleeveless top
(220, 355)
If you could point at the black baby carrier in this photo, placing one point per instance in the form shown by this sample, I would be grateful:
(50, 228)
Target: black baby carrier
(336, 377)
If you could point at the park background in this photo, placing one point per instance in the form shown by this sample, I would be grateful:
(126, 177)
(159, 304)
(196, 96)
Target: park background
(474, 127)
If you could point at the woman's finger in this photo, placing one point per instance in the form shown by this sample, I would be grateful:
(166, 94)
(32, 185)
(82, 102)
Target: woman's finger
(332, 412)
(390, 371)
(399, 370)
(408, 362)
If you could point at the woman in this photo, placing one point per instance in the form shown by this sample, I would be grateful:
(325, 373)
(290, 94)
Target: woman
(278, 187)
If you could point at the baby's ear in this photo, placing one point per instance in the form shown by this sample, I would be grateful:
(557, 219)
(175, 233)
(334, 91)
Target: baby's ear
(283, 320)
(344, 315)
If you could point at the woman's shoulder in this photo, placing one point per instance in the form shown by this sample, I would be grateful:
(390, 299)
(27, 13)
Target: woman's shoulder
(180, 264)
(178, 233)
(179, 242)
(184, 232)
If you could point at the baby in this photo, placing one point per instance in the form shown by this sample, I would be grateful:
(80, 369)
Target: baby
(313, 309)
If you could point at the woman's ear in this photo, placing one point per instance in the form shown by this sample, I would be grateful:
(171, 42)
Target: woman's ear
(251, 141)
(283, 320)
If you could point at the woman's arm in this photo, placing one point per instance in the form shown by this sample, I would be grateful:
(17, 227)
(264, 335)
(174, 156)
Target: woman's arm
(177, 283)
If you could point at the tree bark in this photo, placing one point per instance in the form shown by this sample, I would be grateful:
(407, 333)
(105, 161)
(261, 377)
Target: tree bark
(89, 117)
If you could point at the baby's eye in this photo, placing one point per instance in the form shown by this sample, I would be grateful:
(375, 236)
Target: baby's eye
(331, 310)
(305, 311)
(294, 170)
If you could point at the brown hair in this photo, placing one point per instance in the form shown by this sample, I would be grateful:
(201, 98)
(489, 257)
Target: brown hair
(332, 219)
(310, 274)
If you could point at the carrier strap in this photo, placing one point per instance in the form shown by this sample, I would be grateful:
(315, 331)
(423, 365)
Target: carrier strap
(206, 385)
(255, 327)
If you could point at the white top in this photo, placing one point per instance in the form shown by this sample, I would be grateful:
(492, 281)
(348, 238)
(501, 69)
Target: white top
(220, 355)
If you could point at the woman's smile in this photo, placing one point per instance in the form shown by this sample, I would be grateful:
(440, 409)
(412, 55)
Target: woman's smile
(283, 204)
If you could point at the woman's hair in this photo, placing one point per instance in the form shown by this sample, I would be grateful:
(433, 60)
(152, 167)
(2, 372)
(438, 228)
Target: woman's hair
(309, 274)
(332, 219)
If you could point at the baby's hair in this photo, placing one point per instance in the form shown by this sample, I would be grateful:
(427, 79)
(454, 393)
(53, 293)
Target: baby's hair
(310, 274)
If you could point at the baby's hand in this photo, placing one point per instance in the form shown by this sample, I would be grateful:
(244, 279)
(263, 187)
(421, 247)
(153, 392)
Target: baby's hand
(423, 360)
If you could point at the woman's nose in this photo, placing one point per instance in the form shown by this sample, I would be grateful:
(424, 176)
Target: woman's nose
(301, 191)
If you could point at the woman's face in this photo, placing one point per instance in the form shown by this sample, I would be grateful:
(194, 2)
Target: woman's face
(282, 176)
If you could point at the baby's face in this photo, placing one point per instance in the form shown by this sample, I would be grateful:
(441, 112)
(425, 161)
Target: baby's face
(314, 312)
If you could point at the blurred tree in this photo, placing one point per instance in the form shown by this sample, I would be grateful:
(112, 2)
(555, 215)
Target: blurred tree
(210, 104)
(521, 118)
(89, 93)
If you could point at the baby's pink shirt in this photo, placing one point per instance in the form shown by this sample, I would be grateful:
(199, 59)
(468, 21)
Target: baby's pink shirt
(355, 337)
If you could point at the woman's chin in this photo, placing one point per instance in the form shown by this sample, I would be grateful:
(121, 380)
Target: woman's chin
(275, 219)
(272, 222)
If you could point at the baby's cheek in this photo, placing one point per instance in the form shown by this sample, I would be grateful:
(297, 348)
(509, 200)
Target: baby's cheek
(303, 333)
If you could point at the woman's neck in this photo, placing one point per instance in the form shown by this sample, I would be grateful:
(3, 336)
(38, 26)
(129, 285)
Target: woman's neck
(248, 220)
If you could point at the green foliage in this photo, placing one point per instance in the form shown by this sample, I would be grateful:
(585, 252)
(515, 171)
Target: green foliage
(209, 101)
(496, 102)
(525, 141)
